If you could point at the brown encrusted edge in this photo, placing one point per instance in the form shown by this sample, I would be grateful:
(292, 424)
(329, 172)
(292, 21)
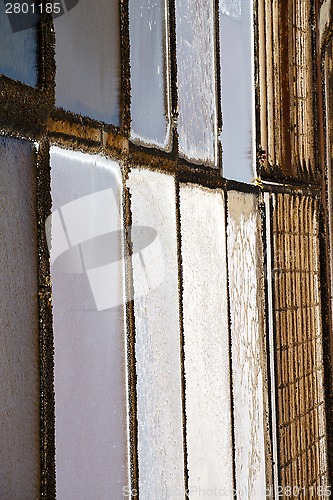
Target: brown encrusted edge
(326, 318)
(285, 123)
(47, 401)
(230, 342)
(130, 338)
(274, 390)
(125, 92)
(316, 169)
(181, 332)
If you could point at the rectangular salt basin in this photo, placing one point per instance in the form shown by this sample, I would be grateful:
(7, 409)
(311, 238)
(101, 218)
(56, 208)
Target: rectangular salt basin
(157, 346)
(206, 340)
(245, 264)
(18, 49)
(88, 60)
(237, 89)
(89, 327)
(150, 99)
(19, 333)
(197, 101)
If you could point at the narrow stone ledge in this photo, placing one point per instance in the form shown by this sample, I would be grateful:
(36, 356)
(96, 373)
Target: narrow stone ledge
(74, 130)
(118, 142)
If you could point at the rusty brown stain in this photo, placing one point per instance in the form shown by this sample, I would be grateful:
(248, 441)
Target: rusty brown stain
(118, 142)
(285, 62)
